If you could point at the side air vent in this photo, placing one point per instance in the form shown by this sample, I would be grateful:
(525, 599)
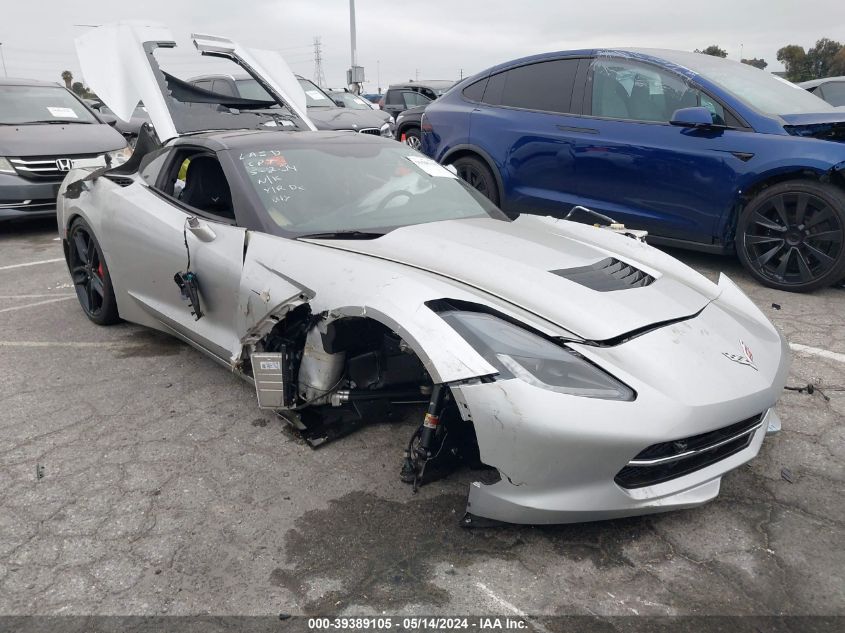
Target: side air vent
(606, 275)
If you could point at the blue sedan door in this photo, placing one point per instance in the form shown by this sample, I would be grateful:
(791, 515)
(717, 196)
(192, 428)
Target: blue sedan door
(632, 164)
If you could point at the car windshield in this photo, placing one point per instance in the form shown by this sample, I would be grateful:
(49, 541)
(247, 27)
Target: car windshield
(344, 186)
(761, 90)
(21, 105)
(314, 96)
(251, 89)
(351, 101)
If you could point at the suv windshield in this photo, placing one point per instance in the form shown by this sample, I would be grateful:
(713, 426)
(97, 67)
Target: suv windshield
(20, 105)
(314, 96)
(341, 187)
(761, 90)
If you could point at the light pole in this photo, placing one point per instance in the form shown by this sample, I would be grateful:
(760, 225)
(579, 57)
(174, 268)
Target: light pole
(5, 74)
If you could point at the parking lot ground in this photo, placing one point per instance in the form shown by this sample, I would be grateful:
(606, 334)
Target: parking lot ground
(164, 489)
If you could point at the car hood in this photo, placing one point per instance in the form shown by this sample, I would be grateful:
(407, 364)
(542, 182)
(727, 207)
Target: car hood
(54, 140)
(828, 126)
(345, 118)
(118, 63)
(525, 262)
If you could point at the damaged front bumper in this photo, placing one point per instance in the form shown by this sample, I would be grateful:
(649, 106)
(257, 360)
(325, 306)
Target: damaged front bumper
(697, 416)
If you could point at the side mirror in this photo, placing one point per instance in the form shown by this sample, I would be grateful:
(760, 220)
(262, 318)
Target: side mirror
(339, 103)
(692, 117)
(108, 118)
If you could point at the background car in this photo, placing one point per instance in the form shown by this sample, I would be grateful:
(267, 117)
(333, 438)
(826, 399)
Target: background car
(831, 89)
(321, 109)
(374, 98)
(43, 128)
(700, 151)
(408, 127)
(345, 99)
(131, 128)
(401, 97)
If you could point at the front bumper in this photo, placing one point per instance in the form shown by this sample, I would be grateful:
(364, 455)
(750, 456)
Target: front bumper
(22, 198)
(558, 454)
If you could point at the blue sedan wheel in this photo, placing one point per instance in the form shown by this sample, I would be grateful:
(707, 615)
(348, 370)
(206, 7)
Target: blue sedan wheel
(792, 236)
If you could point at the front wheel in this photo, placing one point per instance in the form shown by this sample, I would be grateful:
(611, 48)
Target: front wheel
(411, 137)
(791, 236)
(90, 275)
(479, 176)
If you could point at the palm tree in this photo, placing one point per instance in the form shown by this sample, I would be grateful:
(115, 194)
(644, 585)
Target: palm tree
(67, 77)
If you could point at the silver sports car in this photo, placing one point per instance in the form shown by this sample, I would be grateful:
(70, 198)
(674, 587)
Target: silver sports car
(583, 373)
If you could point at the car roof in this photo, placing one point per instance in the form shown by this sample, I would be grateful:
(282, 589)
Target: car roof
(818, 82)
(28, 82)
(437, 84)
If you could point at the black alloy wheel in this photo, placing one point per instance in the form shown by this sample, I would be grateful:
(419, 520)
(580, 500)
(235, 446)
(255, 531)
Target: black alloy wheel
(479, 177)
(792, 236)
(90, 275)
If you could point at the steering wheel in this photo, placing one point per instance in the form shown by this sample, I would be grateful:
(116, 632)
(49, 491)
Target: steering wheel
(389, 197)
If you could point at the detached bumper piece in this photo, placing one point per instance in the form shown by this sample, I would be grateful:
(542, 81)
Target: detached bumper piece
(668, 460)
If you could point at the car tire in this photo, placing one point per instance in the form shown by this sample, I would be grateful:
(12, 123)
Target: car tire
(479, 176)
(90, 275)
(791, 236)
(412, 138)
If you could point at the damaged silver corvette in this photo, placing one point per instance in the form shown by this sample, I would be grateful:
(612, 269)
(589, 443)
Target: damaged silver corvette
(586, 374)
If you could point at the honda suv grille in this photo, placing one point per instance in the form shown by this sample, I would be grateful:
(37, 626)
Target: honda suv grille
(46, 167)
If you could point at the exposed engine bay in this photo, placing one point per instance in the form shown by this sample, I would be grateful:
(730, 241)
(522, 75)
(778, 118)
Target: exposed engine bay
(333, 377)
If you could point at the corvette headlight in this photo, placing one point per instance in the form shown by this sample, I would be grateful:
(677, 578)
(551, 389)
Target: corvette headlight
(118, 156)
(519, 353)
(6, 166)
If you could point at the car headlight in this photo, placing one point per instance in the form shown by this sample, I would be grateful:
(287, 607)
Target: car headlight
(385, 130)
(118, 156)
(6, 166)
(519, 353)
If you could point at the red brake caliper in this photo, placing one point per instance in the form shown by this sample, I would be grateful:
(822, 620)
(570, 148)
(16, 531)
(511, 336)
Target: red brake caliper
(100, 269)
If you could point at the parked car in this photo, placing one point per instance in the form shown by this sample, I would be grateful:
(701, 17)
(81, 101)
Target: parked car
(701, 152)
(345, 99)
(131, 128)
(374, 98)
(401, 97)
(831, 89)
(321, 109)
(408, 127)
(44, 128)
(342, 274)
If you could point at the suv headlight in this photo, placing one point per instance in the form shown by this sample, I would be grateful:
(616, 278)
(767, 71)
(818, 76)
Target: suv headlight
(6, 166)
(385, 130)
(519, 353)
(118, 156)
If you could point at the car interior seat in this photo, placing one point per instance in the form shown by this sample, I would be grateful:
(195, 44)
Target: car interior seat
(641, 105)
(206, 188)
(611, 98)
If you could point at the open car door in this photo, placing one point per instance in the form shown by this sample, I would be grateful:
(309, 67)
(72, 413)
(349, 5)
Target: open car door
(118, 62)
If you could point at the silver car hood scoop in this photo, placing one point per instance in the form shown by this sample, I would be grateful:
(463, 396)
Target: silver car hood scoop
(595, 284)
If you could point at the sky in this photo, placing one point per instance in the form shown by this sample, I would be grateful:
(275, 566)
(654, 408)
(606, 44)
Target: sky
(426, 39)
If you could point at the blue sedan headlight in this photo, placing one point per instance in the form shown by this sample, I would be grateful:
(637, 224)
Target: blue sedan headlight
(519, 353)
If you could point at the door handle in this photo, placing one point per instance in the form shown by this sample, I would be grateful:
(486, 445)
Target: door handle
(201, 229)
(579, 130)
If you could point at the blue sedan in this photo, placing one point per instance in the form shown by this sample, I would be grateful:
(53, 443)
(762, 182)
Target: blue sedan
(702, 152)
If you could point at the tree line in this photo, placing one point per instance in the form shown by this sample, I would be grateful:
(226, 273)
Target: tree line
(825, 59)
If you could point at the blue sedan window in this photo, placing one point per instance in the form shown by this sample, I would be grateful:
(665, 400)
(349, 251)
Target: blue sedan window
(624, 89)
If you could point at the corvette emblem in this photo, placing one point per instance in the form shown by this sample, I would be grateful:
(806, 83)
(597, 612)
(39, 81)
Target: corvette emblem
(745, 358)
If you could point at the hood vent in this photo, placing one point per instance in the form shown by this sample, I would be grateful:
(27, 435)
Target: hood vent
(606, 275)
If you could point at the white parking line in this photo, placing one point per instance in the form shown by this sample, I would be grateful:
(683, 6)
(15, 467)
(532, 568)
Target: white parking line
(38, 303)
(71, 344)
(816, 351)
(41, 296)
(501, 602)
(43, 261)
